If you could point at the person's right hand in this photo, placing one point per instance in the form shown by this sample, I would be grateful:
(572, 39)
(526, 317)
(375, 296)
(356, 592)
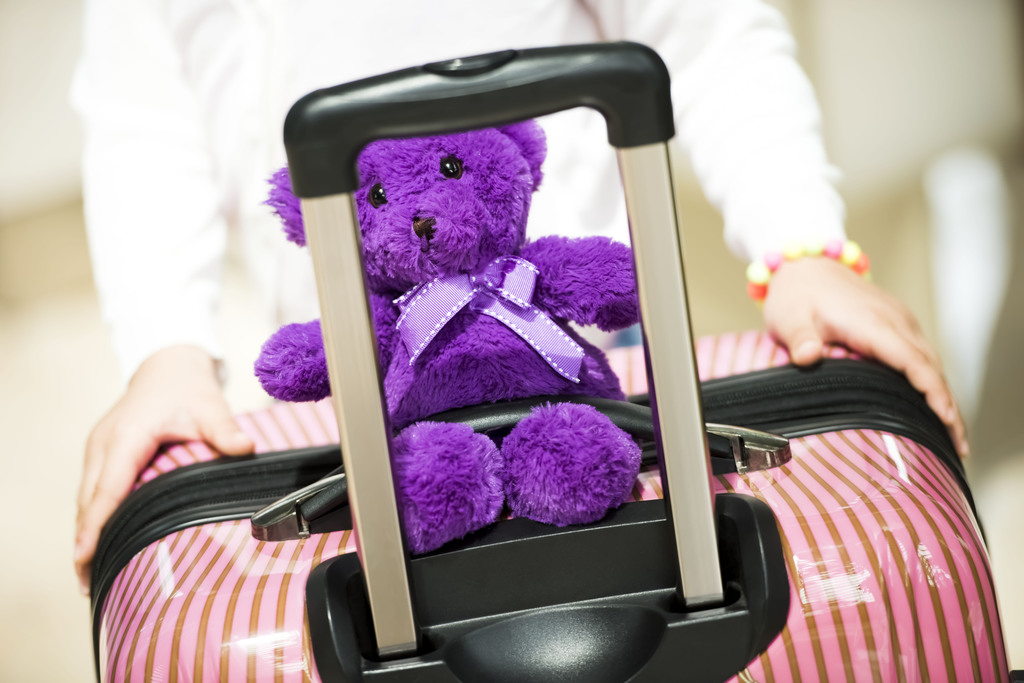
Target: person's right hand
(174, 396)
(817, 300)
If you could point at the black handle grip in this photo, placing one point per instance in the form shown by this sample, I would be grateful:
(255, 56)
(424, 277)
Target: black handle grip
(325, 130)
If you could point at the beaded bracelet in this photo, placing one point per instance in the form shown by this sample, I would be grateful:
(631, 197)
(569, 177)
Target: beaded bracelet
(846, 252)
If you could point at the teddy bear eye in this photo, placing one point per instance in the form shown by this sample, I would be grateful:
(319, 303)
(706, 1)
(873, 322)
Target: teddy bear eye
(451, 167)
(377, 196)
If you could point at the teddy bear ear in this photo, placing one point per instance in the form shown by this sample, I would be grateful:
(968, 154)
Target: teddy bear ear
(286, 205)
(529, 137)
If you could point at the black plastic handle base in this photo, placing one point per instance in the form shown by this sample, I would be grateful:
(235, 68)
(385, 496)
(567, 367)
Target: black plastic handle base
(522, 601)
(325, 130)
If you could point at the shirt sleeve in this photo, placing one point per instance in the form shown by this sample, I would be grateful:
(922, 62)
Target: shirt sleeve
(745, 113)
(157, 235)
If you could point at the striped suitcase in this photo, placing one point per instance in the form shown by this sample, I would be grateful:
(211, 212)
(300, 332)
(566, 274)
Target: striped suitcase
(849, 553)
(883, 552)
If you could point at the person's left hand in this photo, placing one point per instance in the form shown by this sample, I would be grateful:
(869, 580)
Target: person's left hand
(174, 396)
(817, 300)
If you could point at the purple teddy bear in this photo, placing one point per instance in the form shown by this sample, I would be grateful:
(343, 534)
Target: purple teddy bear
(467, 312)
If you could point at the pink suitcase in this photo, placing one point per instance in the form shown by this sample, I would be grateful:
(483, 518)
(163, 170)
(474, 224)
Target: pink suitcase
(844, 549)
(889, 577)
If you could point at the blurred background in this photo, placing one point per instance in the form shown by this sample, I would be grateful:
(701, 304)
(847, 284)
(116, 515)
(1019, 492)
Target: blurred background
(923, 110)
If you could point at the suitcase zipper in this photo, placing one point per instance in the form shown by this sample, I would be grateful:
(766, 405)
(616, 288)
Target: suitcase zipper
(833, 395)
(836, 394)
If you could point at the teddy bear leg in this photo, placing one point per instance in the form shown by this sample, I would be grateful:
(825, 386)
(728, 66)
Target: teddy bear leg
(568, 464)
(448, 480)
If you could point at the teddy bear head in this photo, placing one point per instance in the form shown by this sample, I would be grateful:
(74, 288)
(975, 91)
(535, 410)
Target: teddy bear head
(436, 206)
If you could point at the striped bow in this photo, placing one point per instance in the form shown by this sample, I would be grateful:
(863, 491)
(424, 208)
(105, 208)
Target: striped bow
(503, 290)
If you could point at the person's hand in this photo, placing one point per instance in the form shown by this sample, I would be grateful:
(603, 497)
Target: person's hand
(817, 300)
(174, 396)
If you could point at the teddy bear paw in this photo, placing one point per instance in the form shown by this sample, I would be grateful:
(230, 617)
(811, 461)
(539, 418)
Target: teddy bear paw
(292, 365)
(448, 480)
(568, 464)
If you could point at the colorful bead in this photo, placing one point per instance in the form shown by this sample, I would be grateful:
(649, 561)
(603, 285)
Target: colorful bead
(758, 273)
(834, 248)
(851, 252)
(814, 248)
(862, 265)
(793, 251)
(757, 292)
(773, 260)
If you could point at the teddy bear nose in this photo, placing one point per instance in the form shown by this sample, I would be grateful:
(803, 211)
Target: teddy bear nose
(423, 227)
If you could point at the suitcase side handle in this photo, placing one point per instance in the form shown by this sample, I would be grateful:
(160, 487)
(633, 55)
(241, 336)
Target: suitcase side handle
(325, 130)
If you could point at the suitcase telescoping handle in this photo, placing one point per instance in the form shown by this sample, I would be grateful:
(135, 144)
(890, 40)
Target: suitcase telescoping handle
(324, 133)
(326, 130)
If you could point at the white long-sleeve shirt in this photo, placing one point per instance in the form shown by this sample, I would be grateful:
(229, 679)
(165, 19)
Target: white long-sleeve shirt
(183, 103)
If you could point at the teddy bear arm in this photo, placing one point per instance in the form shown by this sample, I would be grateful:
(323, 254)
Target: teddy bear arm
(588, 280)
(292, 365)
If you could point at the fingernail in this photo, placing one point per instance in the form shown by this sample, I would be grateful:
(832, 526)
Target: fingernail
(239, 441)
(808, 349)
(79, 552)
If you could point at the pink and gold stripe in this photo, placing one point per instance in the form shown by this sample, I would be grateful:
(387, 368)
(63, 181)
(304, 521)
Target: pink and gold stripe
(889, 578)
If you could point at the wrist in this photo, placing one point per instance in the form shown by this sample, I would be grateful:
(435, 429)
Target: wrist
(177, 364)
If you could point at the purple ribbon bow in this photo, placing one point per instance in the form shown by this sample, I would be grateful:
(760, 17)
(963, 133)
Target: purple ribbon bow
(502, 290)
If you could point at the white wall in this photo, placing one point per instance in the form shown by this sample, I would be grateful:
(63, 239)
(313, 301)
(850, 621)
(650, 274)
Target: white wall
(901, 81)
(39, 137)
